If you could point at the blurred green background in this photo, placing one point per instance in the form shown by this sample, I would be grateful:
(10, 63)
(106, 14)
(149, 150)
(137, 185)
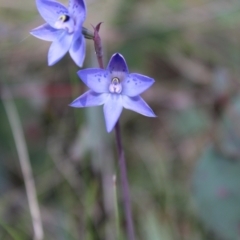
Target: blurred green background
(183, 166)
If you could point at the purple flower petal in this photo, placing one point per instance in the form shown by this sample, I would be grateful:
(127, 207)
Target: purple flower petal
(46, 32)
(51, 10)
(59, 48)
(77, 50)
(112, 110)
(135, 84)
(77, 10)
(89, 99)
(117, 63)
(138, 105)
(96, 79)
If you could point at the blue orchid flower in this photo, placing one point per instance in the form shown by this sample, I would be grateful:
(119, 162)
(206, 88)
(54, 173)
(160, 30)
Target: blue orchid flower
(116, 88)
(63, 28)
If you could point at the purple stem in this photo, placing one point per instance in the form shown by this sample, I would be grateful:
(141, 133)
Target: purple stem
(98, 45)
(122, 161)
(124, 183)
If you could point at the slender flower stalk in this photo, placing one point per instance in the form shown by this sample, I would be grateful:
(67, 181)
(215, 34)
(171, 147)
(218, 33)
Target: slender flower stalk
(124, 184)
(98, 45)
(121, 157)
(116, 208)
(115, 88)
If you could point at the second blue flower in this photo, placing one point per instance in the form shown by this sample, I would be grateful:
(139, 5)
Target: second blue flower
(63, 28)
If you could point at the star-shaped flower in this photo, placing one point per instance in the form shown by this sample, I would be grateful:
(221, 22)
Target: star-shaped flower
(116, 88)
(63, 28)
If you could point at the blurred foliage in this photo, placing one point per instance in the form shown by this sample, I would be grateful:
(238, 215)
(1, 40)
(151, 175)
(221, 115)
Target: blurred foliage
(183, 166)
(216, 189)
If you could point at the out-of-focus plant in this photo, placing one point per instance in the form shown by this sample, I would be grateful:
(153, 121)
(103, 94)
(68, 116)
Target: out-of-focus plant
(216, 177)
